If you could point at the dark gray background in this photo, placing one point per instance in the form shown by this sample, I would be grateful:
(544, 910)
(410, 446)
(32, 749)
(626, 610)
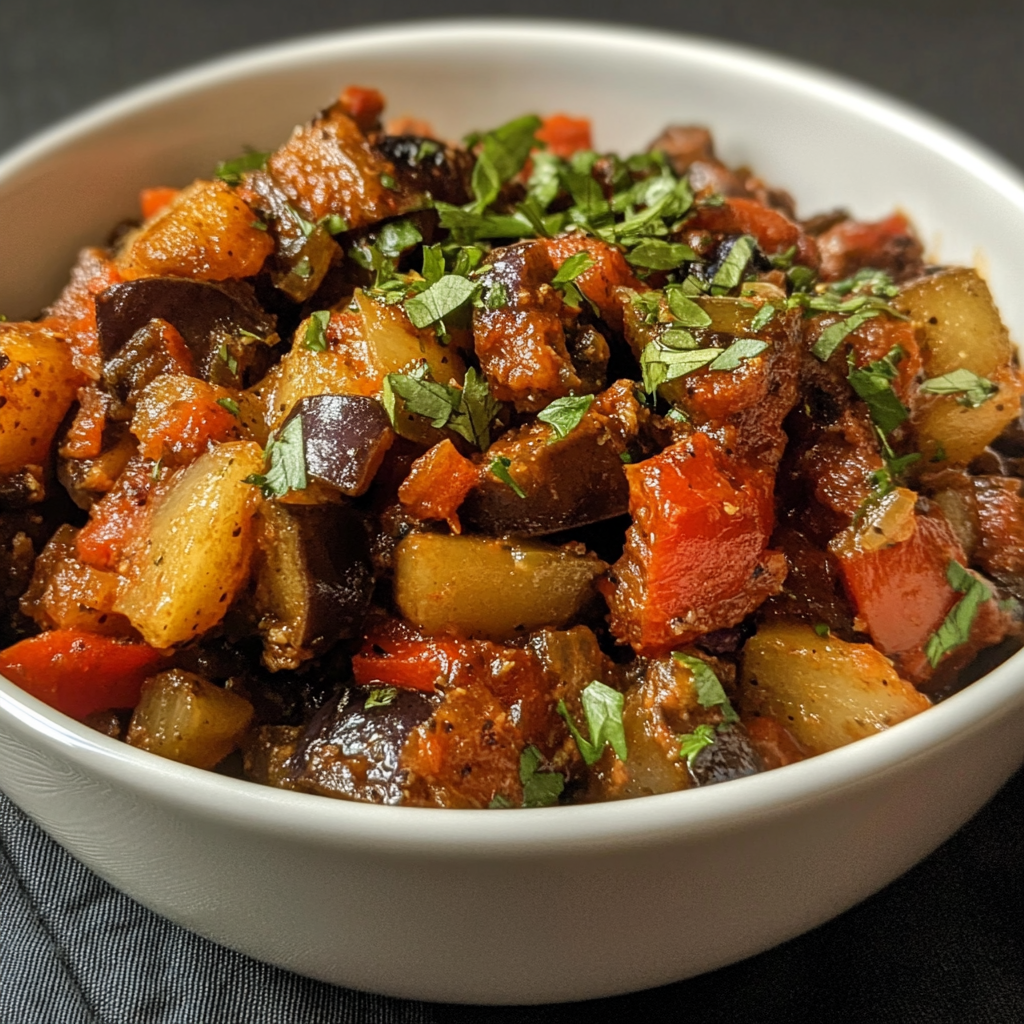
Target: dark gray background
(944, 943)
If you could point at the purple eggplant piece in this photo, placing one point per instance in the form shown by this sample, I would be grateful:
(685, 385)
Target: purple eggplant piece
(731, 756)
(353, 751)
(214, 319)
(344, 439)
(314, 581)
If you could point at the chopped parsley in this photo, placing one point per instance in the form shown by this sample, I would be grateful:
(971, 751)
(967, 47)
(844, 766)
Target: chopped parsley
(231, 171)
(835, 334)
(956, 627)
(972, 389)
(334, 223)
(503, 152)
(500, 802)
(441, 299)
(499, 467)
(686, 312)
(602, 707)
(575, 265)
(737, 352)
(763, 317)
(540, 788)
(873, 383)
(305, 226)
(497, 296)
(397, 236)
(303, 268)
(285, 457)
(730, 272)
(564, 414)
(389, 182)
(822, 629)
(657, 254)
(225, 356)
(380, 697)
(692, 743)
(710, 693)
(230, 405)
(316, 336)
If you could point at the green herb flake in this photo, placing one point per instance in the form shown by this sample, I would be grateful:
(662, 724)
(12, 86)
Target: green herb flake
(822, 629)
(956, 627)
(835, 334)
(762, 318)
(657, 254)
(497, 296)
(625, 457)
(500, 802)
(303, 269)
(499, 467)
(686, 312)
(380, 697)
(259, 225)
(286, 461)
(433, 264)
(436, 402)
(157, 466)
(397, 236)
(661, 361)
(441, 299)
(225, 356)
(389, 182)
(305, 226)
(503, 152)
(710, 693)
(873, 383)
(540, 788)
(564, 414)
(575, 265)
(740, 350)
(545, 179)
(231, 171)
(730, 273)
(477, 408)
(972, 389)
(692, 743)
(316, 337)
(602, 707)
(230, 405)
(334, 223)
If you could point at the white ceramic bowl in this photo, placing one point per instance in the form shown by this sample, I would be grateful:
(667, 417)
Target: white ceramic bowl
(533, 905)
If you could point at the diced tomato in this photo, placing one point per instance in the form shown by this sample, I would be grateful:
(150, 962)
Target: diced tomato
(363, 105)
(80, 673)
(696, 556)
(773, 742)
(153, 200)
(117, 520)
(565, 135)
(438, 483)
(774, 231)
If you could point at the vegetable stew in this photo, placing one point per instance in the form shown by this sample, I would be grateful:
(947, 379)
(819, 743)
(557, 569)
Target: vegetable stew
(505, 473)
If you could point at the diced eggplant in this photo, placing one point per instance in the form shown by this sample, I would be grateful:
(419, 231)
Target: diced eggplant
(155, 348)
(344, 439)
(730, 756)
(225, 329)
(353, 751)
(314, 581)
(426, 165)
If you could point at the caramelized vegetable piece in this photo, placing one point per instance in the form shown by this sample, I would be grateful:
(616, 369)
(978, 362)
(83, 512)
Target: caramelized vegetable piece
(344, 439)
(77, 672)
(155, 348)
(182, 716)
(961, 330)
(352, 747)
(199, 548)
(494, 589)
(38, 383)
(696, 556)
(224, 327)
(313, 582)
(825, 691)
(889, 245)
(567, 482)
(521, 344)
(438, 483)
(424, 165)
(206, 233)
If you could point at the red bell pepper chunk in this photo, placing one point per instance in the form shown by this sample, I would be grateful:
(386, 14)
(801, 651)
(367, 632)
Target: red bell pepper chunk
(396, 655)
(80, 673)
(565, 135)
(153, 200)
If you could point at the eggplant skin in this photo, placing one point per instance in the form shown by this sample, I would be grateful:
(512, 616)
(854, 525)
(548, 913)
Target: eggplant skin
(354, 752)
(731, 756)
(344, 439)
(206, 315)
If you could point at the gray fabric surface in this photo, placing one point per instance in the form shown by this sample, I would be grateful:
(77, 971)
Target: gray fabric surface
(944, 943)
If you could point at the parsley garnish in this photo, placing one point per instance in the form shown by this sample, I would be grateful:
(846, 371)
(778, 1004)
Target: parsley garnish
(973, 390)
(684, 309)
(564, 414)
(477, 407)
(334, 223)
(602, 707)
(497, 296)
(315, 337)
(657, 254)
(674, 354)
(303, 268)
(956, 627)
(575, 265)
(157, 466)
(500, 802)
(540, 789)
(224, 354)
(230, 404)
(286, 461)
(710, 693)
(503, 153)
(739, 350)
(305, 226)
(396, 236)
(730, 273)
(822, 629)
(442, 298)
(380, 697)
(499, 467)
(388, 182)
(873, 383)
(835, 334)
(433, 264)
(762, 318)
(692, 743)
(231, 171)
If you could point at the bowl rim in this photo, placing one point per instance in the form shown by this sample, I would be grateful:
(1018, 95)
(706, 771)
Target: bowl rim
(542, 831)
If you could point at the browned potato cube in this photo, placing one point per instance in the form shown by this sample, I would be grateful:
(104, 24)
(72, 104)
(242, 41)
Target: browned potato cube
(182, 716)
